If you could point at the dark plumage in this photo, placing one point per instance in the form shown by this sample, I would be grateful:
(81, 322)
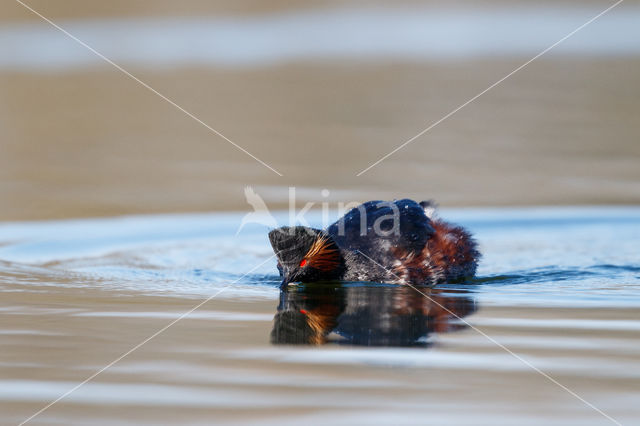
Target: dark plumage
(367, 315)
(393, 242)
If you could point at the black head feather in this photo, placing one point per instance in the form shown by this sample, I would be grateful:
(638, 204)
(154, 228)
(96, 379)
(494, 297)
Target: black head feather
(305, 254)
(291, 243)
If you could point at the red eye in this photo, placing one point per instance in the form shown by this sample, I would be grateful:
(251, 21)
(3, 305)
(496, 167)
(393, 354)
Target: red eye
(303, 262)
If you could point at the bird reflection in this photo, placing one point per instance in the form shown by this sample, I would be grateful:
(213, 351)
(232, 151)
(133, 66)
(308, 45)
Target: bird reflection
(367, 315)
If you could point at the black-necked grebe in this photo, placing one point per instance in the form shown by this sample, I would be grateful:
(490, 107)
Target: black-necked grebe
(400, 242)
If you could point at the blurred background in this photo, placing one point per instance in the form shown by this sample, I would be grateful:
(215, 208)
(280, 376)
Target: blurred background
(318, 90)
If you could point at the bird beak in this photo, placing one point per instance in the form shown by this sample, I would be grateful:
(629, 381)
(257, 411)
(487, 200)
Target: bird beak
(286, 278)
(285, 281)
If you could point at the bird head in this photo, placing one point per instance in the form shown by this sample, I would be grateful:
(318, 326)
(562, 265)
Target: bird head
(305, 254)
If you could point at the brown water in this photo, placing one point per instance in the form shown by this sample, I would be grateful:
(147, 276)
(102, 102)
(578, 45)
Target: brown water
(218, 366)
(79, 138)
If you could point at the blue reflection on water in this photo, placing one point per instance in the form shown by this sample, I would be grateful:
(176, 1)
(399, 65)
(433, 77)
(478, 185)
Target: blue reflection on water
(412, 34)
(531, 256)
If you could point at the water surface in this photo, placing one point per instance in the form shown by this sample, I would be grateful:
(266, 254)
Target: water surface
(345, 34)
(558, 287)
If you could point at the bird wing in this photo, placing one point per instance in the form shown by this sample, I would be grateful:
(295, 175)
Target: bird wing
(381, 229)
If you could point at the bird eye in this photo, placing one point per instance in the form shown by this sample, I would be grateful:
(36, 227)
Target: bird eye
(303, 262)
